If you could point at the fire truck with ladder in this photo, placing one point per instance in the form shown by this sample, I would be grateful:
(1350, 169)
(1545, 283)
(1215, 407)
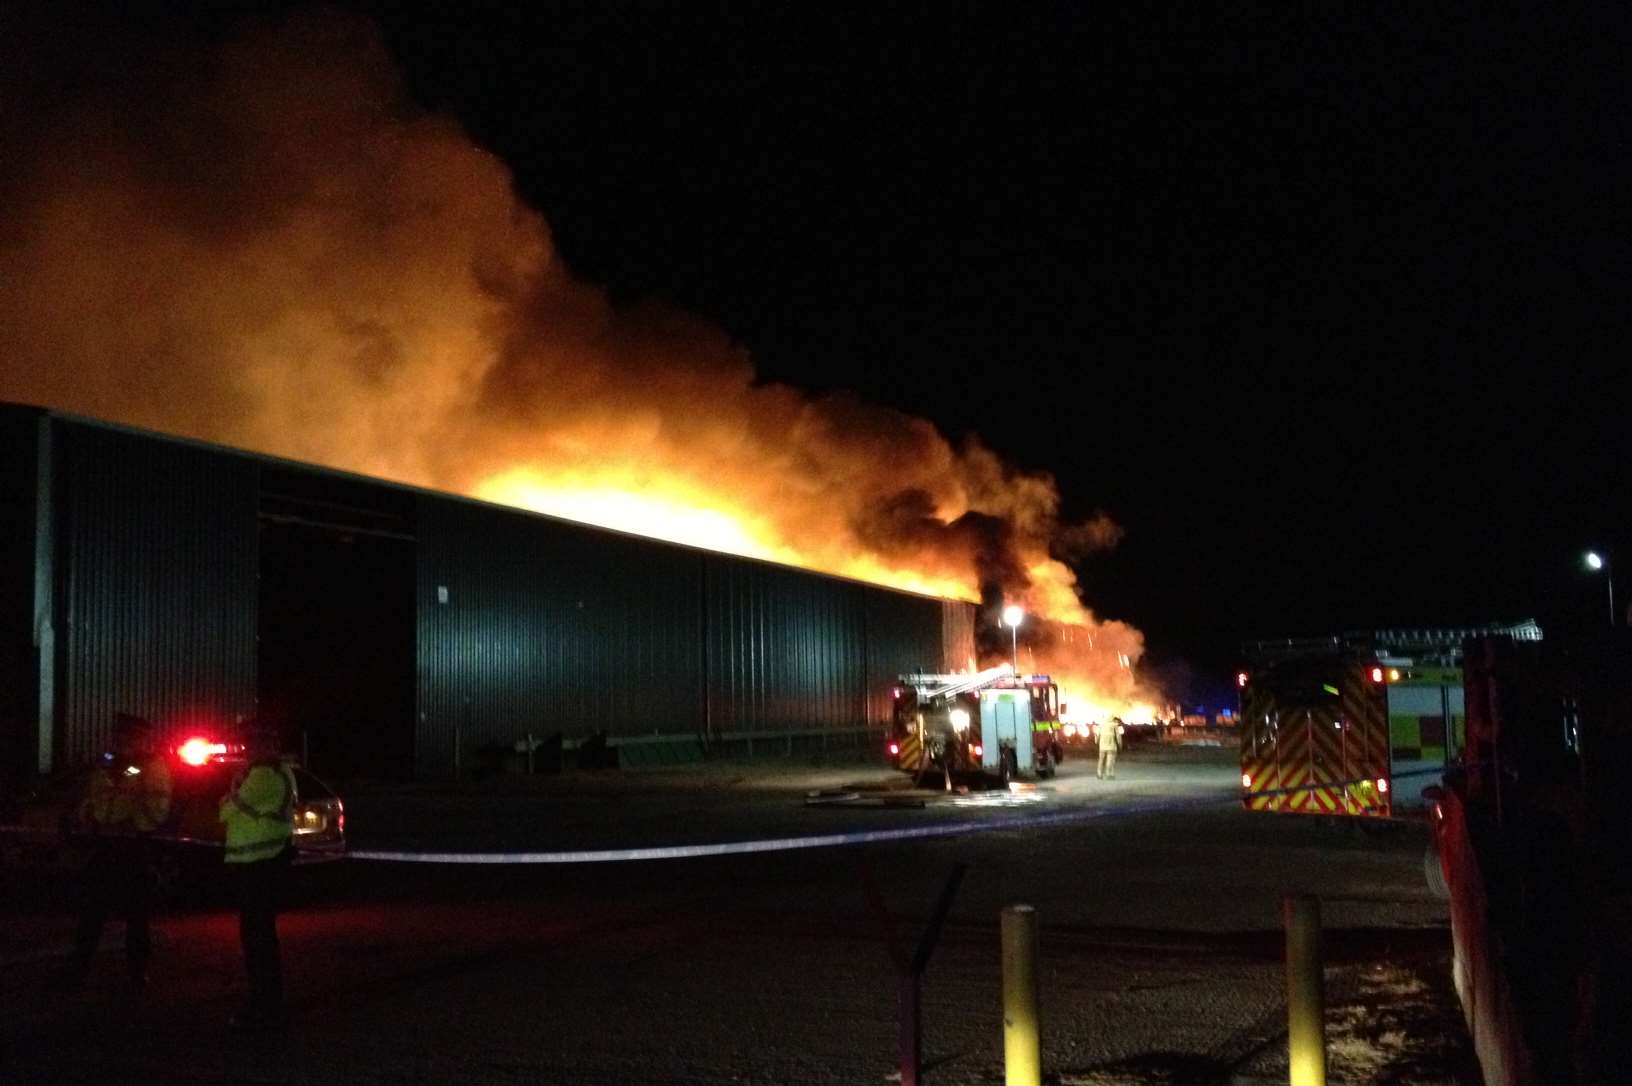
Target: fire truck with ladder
(1354, 725)
(992, 722)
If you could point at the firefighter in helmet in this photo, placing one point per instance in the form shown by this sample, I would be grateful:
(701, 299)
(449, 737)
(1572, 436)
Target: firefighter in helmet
(258, 812)
(126, 799)
(1109, 736)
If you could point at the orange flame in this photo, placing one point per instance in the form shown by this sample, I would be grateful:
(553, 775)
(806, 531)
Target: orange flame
(642, 502)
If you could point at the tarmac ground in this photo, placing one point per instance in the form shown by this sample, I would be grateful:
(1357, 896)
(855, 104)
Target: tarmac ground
(1159, 902)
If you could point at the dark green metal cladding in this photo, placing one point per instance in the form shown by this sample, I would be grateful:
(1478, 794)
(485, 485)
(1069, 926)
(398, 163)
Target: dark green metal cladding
(533, 625)
(163, 563)
(155, 585)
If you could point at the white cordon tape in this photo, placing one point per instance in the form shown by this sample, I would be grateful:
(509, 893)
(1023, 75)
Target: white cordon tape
(771, 844)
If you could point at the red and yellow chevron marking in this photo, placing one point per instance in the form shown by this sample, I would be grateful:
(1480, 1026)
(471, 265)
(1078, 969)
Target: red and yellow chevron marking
(1314, 755)
(1260, 763)
(1366, 737)
(911, 758)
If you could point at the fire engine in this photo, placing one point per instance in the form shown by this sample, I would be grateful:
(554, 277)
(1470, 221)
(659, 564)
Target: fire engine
(991, 722)
(1337, 726)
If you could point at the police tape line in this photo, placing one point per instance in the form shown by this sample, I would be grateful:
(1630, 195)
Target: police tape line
(1315, 786)
(832, 840)
(776, 844)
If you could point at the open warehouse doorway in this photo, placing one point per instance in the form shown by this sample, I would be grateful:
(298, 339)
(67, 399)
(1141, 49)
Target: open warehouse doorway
(337, 638)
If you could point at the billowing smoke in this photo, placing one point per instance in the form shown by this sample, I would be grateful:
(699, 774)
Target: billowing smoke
(261, 242)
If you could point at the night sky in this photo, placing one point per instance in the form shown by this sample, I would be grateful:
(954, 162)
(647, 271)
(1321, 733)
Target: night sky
(1326, 311)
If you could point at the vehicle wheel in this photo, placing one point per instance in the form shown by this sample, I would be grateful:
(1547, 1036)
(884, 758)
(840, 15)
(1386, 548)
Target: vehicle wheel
(1434, 872)
(1009, 766)
(1045, 768)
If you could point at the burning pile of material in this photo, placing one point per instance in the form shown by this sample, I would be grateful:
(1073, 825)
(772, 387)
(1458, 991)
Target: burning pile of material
(262, 243)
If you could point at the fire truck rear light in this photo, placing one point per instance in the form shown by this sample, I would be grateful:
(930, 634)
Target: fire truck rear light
(1246, 780)
(1376, 674)
(977, 750)
(1382, 785)
(895, 748)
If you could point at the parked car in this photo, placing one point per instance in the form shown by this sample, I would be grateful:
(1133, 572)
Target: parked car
(41, 829)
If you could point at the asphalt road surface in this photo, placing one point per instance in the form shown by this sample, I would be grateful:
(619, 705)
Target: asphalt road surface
(1160, 938)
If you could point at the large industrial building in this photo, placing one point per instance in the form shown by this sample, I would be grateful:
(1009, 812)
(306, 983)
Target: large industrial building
(397, 632)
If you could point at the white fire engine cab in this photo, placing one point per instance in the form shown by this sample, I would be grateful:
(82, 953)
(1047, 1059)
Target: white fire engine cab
(992, 721)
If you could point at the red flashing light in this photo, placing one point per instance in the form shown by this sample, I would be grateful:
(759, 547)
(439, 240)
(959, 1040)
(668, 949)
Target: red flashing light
(1241, 678)
(198, 750)
(1246, 780)
(1376, 674)
(895, 692)
(895, 748)
(977, 750)
(1382, 785)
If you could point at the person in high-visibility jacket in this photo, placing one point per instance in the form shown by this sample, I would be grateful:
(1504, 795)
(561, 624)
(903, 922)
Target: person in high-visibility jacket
(1109, 736)
(126, 799)
(258, 812)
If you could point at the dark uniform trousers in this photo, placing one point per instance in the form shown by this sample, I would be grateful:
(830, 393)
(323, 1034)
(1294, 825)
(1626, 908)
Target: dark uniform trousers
(117, 876)
(261, 887)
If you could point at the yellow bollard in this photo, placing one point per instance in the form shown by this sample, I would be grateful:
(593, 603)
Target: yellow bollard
(1305, 993)
(1022, 1049)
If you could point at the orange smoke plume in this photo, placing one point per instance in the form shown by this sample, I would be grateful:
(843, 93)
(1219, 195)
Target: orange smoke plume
(262, 243)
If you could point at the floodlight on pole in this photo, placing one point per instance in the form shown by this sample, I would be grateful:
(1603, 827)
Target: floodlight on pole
(1012, 617)
(1596, 562)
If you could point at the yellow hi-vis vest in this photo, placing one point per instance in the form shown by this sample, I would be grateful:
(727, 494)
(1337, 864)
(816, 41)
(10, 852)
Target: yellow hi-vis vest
(259, 813)
(128, 795)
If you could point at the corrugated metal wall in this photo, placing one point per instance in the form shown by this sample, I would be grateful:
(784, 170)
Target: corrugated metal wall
(528, 624)
(958, 634)
(156, 566)
(786, 649)
(19, 659)
(904, 634)
(533, 625)
(524, 624)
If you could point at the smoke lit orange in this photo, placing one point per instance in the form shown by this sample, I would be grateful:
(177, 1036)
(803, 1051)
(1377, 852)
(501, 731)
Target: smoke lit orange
(381, 302)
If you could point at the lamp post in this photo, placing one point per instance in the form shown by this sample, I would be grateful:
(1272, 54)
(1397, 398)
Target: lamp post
(1012, 617)
(1596, 562)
